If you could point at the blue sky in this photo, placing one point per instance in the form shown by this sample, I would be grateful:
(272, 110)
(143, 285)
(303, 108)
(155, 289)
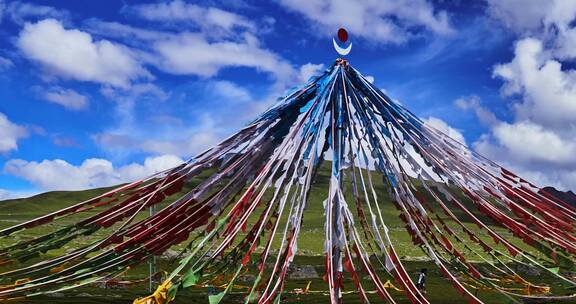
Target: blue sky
(94, 93)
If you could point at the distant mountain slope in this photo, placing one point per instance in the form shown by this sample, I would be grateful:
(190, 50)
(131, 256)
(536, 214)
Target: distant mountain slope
(48, 202)
(567, 196)
(51, 201)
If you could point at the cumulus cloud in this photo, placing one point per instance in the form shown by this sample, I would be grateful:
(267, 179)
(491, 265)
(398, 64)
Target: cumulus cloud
(566, 44)
(529, 142)
(531, 161)
(60, 175)
(443, 127)
(74, 54)
(196, 50)
(67, 98)
(548, 91)
(540, 142)
(10, 133)
(379, 21)
(197, 128)
(548, 20)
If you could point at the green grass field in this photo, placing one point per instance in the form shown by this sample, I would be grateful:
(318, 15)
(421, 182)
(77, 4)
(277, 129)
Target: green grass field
(310, 250)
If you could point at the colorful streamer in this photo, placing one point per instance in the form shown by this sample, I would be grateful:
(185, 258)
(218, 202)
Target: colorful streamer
(246, 214)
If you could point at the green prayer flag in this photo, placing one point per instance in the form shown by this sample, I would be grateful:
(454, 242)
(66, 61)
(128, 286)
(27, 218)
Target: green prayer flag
(172, 291)
(277, 300)
(554, 270)
(222, 221)
(254, 294)
(215, 299)
(190, 278)
(253, 297)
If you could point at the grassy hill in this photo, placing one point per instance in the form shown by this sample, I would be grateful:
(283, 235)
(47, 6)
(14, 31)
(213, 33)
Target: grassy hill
(311, 241)
(46, 202)
(310, 244)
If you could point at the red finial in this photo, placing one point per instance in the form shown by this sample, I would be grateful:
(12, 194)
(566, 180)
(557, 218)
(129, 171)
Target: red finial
(342, 35)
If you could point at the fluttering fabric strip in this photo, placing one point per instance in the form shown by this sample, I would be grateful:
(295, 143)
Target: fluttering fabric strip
(247, 214)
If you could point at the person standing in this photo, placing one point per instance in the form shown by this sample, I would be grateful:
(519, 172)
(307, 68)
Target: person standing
(421, 283)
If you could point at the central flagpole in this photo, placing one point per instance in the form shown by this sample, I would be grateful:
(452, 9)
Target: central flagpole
(152, 261)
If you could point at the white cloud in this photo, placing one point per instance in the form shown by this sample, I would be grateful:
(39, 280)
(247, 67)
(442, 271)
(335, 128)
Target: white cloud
(19, 12)
(379, 21)
(60, 175)
(530, 15)
(229, 91)
(443, 127)
(548, 91)
(198, 124)
(195, 51)
(540, 142)
(485, 116)
(209, 18)
(123, 31)
(566, 44)
(547, 20)
(195, 143)
(220, 40)
(529, 142)
(369, 78)
(520, 15)
(531, 162)
(67, 98)
(308, 70)
(4, 194)
(193, 54)
(75, 55)
(186, 143)
(10, 133)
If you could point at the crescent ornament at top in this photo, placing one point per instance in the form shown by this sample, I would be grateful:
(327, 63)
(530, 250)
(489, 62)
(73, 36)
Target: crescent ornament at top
(343, 37)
